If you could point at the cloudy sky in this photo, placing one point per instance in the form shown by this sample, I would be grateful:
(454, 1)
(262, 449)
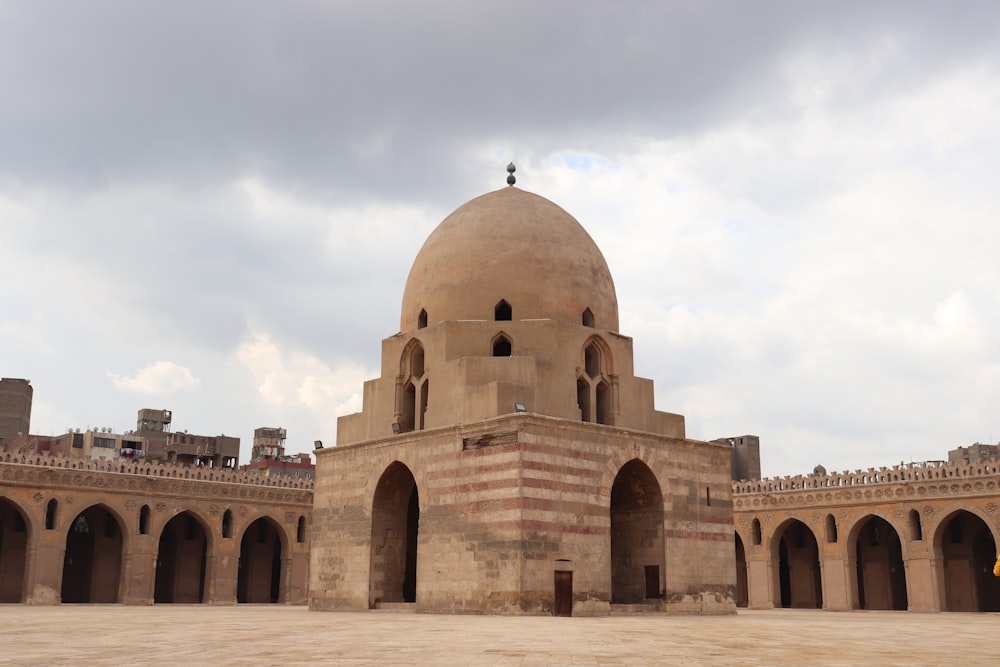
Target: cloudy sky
(211, 207)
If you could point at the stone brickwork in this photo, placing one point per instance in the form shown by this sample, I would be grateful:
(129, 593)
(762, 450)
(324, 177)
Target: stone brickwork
(920, 537)
(135, 532)
(505, 504)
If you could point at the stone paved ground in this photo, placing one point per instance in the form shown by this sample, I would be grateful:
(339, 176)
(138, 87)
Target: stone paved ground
(90, 635)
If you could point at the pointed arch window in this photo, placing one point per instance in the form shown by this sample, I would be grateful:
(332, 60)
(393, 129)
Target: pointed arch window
(502, 312)
(50, 514)
(412, 389)
(422, 319)
(502, 346)
(227, 524)
(597, 385)
(587, 318)
(144, 520)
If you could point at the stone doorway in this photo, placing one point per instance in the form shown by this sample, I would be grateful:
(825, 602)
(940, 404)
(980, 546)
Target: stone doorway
(966, 553)
(799, 581)
(181, 561)
(395, 525)
(878, 560)
(563, 593)
(259, 578)
(636, 534)
(93, 558)
(13, 552)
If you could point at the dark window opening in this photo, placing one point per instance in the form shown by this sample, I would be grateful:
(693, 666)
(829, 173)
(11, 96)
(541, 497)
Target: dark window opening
(603, 400)
(407, 415)
(755, 530)
(502, 347)
(588, 318)
(227, 524)
(502, 311)
(916, 530)
(831, 529)
(424, 391)
(50, 514)
(708, 497)
(583, 399)
(300, 531)
(144, 520)
(422, 319)
(592, 360)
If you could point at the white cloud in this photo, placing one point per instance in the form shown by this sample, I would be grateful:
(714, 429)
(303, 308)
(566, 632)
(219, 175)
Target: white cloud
(161, 377)
(288, 380)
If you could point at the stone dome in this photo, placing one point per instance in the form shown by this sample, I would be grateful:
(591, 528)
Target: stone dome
(513, 246)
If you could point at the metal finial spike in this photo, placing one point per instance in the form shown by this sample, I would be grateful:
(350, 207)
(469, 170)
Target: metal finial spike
(510, 174)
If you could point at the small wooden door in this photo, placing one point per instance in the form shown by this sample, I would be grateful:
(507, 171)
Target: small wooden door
(652, 581)
(564, 593)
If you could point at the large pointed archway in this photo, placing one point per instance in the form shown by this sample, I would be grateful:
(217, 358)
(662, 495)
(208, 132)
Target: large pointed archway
(395, 524)
(795, 550)
(92, 561)
(261, 551)
(878, 559)
(966, 551)
(742, 593)
(637, 551)
(13, 552)
(181, 561)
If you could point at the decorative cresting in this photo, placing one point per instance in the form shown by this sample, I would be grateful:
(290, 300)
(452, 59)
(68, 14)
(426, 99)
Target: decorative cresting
(511, 245)
(928, 478)
(169, 471)
(597, 384)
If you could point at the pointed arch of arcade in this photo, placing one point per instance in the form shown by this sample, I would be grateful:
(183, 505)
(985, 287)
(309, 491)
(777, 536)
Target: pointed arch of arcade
(394, 543)
(965, 548)
(412, 388)
(182, 559)
(795, 549)
(96, 541)
(596, 383)
(876, 557)
(638, 554)
(742, 592)
(16, 532)
(263, 562)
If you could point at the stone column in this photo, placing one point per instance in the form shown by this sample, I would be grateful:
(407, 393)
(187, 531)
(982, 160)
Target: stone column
(139, 570)
(836, 575)
(43, 569)
(760, 584)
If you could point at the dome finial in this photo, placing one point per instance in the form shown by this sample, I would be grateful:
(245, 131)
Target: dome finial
(510, 174)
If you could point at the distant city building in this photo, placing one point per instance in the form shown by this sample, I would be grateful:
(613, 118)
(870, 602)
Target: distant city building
(268, 456)
(974, 453)
(15, 409)
(183, 448)
(745, 456)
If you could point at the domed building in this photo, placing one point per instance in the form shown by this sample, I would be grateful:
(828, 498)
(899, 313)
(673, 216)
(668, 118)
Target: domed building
(508, 460)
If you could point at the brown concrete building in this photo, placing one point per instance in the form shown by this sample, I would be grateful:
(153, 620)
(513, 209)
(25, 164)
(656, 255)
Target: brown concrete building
(15, 409)
(508, 460)
(268, 456)
(117, 531)
(919, 537)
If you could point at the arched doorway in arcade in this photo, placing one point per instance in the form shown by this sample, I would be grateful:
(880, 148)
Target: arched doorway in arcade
(13, 552)
(181, 561)
(637, 549)
(966, 552)
(878, 559)
(799, 584)
(742, 594)
(260, 564)
(92, 562)
(395, 524)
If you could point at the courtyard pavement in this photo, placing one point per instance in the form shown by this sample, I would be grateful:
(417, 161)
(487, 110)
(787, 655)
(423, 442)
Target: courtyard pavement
(90, 635)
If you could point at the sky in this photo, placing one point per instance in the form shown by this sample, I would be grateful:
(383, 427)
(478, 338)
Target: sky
(212, 207)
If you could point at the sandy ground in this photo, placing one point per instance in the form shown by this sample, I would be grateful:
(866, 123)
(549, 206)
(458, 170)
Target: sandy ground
(85, 635)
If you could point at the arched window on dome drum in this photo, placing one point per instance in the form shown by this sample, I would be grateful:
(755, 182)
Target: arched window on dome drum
(422, 319)
(502, 312)
(588, 318)
(502, 347)
(411, 389)
(596, 387)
